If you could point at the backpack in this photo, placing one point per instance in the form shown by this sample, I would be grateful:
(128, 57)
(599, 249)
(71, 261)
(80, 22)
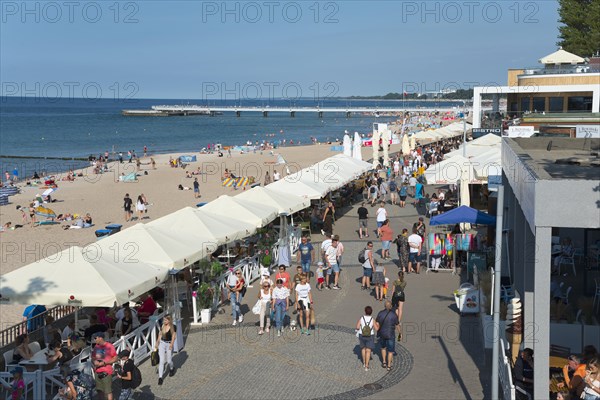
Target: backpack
(393, 186)
(136, 377)
(366, 329)
(373, 189)
(362, 257)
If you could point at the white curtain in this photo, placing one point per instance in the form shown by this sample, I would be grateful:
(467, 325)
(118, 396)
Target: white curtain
(357, 153)
(347, 146)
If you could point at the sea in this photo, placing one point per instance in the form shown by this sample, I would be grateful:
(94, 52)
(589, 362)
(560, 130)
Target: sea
(32, 129)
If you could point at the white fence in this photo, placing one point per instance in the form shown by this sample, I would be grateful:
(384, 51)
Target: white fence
(505, 372)
(140, 342)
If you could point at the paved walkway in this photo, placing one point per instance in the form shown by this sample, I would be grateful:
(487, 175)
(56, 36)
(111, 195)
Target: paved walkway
(440, 356)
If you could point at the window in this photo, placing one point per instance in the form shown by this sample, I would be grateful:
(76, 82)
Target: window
(556, 104)
(514, 106)
(579, 103)
(539, 104)
(524, 104)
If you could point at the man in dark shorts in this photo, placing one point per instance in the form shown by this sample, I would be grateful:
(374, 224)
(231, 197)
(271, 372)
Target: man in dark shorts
(386, 323)
(196, 188)
(127, 203)
(363, 215)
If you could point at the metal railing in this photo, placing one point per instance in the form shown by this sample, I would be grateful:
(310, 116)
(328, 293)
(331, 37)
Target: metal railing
(579, 69)
(9, 335)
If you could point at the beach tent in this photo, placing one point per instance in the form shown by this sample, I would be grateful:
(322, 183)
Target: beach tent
(187, 159)
(132, 177)
(145, 244)
(347, 145)
(284, 202)
(478, 146)
(255, 214)
(413, 142)
(463, 214)
(487, 163)
(204, 229)
(451, 171)
(296, 187)
(357, 147)
(74, 277)
(348, 166)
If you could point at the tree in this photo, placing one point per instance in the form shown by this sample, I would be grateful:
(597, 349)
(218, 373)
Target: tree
(580, 32)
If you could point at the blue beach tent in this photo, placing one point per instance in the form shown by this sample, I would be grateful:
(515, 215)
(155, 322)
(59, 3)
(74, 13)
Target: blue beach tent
(187, 159)
(463, 214)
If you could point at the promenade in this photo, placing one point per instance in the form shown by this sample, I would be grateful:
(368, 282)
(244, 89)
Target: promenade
(440, 356)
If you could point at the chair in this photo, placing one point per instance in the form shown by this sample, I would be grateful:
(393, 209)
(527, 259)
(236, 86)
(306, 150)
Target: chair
(565, 296)
(8, 360)
(578, 252)
(305, 228)
(596, 302)
(35, 347)
(560, 351)
(506, 293)
(432, 209)
(567, 260)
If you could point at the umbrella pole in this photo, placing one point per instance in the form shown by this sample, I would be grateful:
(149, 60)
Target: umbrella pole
(76, 318)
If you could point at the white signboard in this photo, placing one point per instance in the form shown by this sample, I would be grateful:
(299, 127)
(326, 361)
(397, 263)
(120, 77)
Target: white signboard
(520, 131)
(377, 127)
(587, 131)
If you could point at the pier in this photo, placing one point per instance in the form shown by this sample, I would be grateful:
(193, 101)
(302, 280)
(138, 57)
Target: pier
(167, 110)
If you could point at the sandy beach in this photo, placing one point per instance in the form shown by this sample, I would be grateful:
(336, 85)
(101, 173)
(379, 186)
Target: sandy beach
(102, 197)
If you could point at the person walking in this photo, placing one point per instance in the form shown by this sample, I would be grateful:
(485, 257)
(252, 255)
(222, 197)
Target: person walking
(280, 304)
(365, 328)
(403, 249)
(363, 215)
(165, 342)
(368, 267)
(415, 244)
(398, 298)
(403, 192)
(104, 356)
(140, 207)
(373, 193)
(385, 324)
(196, 188)
(238, 294)
(382, 215)
(332, 266)
(305, 256)
(378, 280)
(267, 178)
(265, 296)
(386, 234)
(393, 187)
(340, 251)
(304, 303)
(125, 373)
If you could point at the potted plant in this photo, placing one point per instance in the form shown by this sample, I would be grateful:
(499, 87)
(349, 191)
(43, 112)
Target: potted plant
(216, 269)
(205, 298)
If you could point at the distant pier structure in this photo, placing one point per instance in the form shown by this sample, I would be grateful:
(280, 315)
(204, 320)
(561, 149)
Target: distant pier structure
(265, 111)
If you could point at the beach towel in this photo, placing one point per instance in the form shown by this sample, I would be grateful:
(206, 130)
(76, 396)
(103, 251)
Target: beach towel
(241, 181)
(132, 177)
(436, 244)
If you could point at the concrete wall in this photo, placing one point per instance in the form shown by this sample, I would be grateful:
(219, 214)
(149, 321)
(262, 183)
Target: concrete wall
(568, 203)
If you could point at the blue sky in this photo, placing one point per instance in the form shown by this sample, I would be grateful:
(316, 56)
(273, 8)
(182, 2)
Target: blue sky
(216, 49)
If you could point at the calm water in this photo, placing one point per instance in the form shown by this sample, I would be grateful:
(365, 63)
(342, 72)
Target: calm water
(79, 127)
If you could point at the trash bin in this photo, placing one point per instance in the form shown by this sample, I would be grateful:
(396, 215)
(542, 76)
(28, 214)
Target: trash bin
(467, 299)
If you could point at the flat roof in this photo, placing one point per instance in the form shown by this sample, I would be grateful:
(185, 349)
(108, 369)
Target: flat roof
(555, 158)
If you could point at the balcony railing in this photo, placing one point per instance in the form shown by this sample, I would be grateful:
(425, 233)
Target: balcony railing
(572, 69)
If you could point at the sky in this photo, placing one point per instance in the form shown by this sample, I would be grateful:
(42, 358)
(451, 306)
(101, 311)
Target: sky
(266, 49)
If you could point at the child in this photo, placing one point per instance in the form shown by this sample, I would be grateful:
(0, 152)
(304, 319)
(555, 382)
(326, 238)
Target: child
(17, 388)
(320, 275)
(385, 287)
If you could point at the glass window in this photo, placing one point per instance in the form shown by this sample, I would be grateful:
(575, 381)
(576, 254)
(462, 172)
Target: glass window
(579, 103)
(539, 104)
(514, 106)
(524, 104)
(556, 104)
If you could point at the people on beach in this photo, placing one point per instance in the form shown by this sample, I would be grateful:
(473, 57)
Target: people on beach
(140, 206)
(127, 204)
(196, 188)
(267, 178)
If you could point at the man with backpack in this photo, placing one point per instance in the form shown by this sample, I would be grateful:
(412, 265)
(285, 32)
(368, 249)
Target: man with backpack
(393, 187)
(129, 373)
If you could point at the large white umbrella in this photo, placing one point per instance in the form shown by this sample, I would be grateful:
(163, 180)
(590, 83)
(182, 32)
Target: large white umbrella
(375, 145)
(357, 147)
(385, 140)
(203, 227)
(405, 145)
(307, 190)
(284, 202)
(450, 171)
(413, 142)
(347, 145)
(243, 210)
(72, 277)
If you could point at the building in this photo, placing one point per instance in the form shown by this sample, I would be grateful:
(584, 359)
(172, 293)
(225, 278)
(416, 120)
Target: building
(566, 83)
(551, 191)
